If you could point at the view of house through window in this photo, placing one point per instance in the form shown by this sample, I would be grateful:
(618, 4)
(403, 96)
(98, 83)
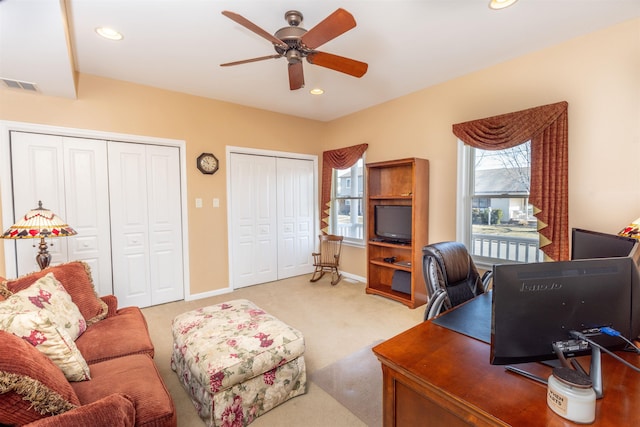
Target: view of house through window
(502, 222)
(347, 203)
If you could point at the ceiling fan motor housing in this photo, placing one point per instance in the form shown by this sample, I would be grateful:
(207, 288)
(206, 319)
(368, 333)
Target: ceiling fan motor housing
(291, 36)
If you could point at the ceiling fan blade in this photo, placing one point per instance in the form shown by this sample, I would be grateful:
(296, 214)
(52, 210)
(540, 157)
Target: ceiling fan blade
(332, 26)
(253, 27)
(338, 63)
(246, 61)
(296, 76)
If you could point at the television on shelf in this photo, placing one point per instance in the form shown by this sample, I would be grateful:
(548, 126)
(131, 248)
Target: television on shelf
(587, 244)
(393, 223)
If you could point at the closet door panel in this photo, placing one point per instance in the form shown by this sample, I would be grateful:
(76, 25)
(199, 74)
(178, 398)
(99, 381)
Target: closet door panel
(87, 202)
(129, 230)
(37, 165)
(165, 234)
(253, 216)
(295, 216)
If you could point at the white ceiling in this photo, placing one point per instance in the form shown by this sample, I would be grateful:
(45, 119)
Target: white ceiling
(179, 44)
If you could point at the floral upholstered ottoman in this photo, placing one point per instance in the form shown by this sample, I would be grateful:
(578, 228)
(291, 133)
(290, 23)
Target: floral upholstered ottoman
(236, 361)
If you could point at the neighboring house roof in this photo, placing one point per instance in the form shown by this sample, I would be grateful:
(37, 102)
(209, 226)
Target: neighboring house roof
(346, 173)
(502, 181)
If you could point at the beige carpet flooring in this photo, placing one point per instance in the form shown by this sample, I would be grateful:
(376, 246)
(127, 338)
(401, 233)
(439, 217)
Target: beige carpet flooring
(356, 382)
(336, 321)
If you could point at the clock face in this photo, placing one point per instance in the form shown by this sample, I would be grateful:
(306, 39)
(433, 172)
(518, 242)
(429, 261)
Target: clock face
(207, 163)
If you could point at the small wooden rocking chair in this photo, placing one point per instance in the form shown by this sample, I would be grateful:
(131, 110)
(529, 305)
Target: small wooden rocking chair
(328, 259)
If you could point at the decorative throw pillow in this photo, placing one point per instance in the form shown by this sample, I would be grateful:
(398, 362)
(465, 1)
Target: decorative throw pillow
(31, 386)
(48, 294)
(76, 278)
(45, 316)
(39, 329)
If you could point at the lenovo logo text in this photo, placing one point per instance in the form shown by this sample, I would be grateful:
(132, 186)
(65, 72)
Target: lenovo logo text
(540, 287)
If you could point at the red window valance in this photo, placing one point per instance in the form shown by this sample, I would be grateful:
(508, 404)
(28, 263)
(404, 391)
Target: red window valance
(340, 158)
(547, 128)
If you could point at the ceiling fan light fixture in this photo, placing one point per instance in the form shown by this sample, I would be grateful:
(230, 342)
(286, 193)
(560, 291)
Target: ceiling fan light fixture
(500, 4)
(316, 91)
(109, 33)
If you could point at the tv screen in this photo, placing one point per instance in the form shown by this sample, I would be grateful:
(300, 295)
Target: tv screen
(592, 244)
(535, 305)
(393, 222)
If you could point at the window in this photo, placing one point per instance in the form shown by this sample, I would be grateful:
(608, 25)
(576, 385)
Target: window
(347, 203)
(495, 219)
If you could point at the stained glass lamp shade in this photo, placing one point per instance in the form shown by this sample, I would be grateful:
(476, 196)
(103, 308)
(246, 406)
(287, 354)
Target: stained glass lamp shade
(39, 223)
(631, 230)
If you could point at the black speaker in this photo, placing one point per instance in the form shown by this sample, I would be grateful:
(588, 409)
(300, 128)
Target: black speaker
(401, 281)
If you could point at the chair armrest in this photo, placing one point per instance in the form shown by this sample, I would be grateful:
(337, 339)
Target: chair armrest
(435, 304)
(487, 280)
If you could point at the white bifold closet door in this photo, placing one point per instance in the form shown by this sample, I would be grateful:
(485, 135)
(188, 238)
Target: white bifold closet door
(124, 201)
(70, 177)
(144, 184)
(272, 216)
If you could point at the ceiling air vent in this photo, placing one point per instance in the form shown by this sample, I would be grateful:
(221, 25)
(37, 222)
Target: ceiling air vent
(17, 84)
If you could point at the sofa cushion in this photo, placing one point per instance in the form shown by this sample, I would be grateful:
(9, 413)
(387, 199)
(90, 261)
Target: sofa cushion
(137, 376)
(76, 278)
(32, 387)
(115, 410)
(119, 335)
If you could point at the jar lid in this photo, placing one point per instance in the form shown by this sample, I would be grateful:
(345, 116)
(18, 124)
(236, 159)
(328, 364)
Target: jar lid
(572, 377)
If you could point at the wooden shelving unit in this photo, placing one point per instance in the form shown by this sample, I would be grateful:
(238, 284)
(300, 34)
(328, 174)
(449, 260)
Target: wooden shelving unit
(398, 182)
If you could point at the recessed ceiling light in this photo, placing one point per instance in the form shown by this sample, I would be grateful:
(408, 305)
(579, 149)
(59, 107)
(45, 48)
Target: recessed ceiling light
(316, 91)
(501, 4)
(109, 33)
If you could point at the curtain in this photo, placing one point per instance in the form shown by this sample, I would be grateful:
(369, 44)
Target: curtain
(340, 158)
(547, 128)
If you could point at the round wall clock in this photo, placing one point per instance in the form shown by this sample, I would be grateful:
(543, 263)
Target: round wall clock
(207, 163)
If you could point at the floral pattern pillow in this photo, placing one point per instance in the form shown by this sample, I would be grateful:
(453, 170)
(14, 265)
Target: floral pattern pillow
(47, 293)
(45, 316)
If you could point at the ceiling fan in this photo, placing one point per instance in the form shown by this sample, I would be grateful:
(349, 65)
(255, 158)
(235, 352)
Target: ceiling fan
(294, 43)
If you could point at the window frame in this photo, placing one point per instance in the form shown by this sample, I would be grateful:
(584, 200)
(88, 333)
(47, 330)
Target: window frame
(351, 241)
(464, 201)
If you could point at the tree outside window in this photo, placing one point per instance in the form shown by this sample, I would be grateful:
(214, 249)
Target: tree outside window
(501, 221)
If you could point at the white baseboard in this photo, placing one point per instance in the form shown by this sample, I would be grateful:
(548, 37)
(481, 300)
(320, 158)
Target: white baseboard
(202, 295)
(229, 289)
(354, 277)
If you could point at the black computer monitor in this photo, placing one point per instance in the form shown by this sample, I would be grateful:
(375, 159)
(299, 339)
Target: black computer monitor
(535, 305)
(592, 244)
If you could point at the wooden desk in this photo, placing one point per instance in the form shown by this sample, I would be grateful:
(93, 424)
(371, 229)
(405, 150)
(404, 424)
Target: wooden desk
(433, 376)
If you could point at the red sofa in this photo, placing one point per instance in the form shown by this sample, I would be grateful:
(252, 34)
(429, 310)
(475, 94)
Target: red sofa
(125, 387)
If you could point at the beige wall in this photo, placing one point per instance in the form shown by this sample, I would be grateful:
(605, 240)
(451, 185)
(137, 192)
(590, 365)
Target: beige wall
(206, 125)
(598, 75)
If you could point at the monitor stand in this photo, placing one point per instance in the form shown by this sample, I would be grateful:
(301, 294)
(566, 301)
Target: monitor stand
(595, 371)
